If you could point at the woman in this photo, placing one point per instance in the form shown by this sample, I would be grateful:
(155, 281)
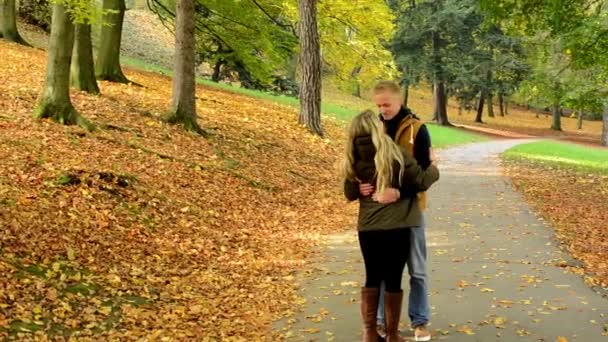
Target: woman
(372, 157)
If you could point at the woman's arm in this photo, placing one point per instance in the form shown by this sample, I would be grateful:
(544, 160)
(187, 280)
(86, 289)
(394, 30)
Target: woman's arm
(414, 179)
(415, 176)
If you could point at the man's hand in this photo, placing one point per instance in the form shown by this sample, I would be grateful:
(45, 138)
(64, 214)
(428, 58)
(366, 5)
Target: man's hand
(366, 189)
(388, 196)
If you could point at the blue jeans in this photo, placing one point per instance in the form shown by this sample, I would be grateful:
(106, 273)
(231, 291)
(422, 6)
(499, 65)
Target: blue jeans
(418, 307)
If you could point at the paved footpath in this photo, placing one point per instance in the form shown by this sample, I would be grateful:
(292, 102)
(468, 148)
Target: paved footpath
(492, 265)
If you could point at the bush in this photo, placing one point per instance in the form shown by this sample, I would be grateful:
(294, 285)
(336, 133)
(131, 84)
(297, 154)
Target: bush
(36, 12)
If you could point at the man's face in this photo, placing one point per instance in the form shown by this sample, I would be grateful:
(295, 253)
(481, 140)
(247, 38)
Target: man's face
(388, 104)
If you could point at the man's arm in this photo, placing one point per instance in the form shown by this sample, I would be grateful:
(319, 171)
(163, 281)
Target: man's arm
(422, 147)
(351, 190)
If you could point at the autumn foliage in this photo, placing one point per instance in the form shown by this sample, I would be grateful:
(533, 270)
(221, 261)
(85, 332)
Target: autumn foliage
(143, 230)
(576, 204)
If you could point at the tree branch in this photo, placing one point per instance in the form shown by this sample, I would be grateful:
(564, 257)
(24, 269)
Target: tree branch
(274, 20)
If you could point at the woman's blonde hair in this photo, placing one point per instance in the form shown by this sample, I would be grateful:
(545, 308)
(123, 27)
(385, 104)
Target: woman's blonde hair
(387, 152)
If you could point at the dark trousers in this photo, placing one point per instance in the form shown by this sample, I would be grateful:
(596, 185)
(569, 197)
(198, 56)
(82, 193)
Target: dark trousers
(385, 254)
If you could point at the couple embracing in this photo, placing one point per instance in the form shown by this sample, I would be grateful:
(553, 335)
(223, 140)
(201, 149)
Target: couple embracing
(388, 165)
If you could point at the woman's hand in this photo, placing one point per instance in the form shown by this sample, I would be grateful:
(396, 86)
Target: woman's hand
(433, 157)
(388, 196)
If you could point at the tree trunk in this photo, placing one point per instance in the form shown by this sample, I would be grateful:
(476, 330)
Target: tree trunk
(440, 98)
(8, 22)
(183, 104)
(435, 103)
(310, 68)
(108, 67)
(355, 76)
(460, 109)
(406, 94)
(55, 103)
(489, 94)
(501, 104)
(605, 129)
(480, 106)
(83, 71)
(579, 123)
(441, 104)
(557, 118)
(357, 90)
(217, 69)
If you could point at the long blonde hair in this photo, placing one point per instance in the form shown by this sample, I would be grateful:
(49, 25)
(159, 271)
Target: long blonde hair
(387, 152)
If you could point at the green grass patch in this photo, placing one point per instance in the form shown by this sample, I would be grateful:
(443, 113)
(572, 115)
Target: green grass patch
(562, 155)
(442, 137)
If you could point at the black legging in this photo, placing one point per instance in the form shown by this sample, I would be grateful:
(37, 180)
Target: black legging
(385, 253)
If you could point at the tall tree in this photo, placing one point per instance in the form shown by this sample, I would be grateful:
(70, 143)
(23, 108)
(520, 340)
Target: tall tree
(55, 103)
(83, 71)
(490, 95)
(310, 65)
(579, 26)
(482, 98)
(107, 67)
(440, 107)
(350, 40)
(183, 105)
(502, 104)
(8, 22)
(431, 39)
(252, 38)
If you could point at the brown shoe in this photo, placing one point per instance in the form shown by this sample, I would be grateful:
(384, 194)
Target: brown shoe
(422, 334)
(392, 305)
(369, 309)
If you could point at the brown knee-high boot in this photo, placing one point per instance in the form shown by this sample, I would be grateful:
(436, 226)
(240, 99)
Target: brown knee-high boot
(392, 307)
(369, 309)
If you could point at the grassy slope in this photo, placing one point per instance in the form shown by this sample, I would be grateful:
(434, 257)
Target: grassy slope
(564, 155)
(349, 106)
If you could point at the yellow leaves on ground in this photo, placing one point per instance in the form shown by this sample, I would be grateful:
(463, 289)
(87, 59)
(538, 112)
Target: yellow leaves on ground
(466, 330)
(579, 222)
(142, 231)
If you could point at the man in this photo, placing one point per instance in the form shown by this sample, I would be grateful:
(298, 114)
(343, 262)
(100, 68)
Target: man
(410, 133)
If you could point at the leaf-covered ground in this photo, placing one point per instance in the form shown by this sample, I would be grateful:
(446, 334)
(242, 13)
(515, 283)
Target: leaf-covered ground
(576, 204)
(142, 230)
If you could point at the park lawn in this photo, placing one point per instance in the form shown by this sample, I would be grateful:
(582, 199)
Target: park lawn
(568, 185)
(442, 137)
(562, 155)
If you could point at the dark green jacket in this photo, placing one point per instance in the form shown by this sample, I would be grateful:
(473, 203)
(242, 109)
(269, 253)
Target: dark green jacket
(404, 213)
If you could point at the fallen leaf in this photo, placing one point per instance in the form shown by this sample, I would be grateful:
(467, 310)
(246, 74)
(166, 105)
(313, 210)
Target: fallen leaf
(466, 330)
(499, 322)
